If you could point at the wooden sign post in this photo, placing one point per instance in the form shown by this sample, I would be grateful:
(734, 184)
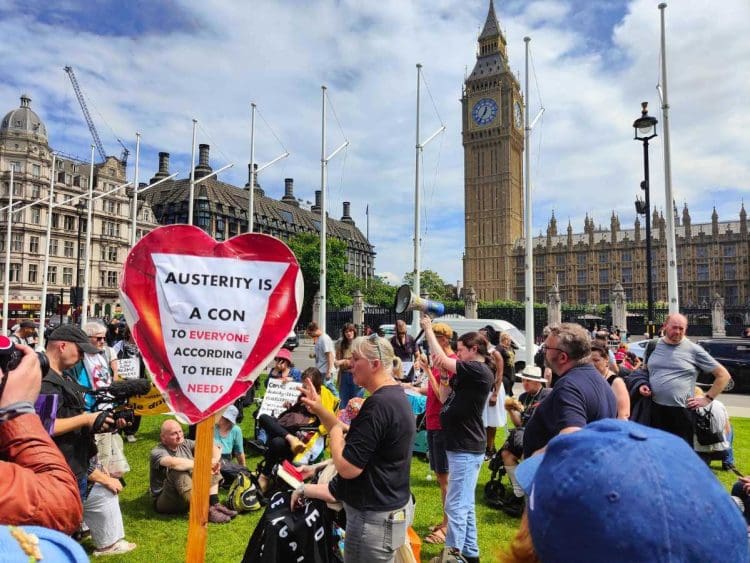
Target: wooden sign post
(198, 520)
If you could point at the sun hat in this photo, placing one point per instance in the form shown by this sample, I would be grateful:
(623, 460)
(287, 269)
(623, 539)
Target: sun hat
(350, 412)
(284, 354)
(231, 414)
(52, 545)
(619, 491)
(532, 373)
(70, 333)
(442, 329)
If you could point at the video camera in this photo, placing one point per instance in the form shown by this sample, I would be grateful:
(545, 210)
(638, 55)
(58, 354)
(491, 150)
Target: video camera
(10, 358)
(113, 400)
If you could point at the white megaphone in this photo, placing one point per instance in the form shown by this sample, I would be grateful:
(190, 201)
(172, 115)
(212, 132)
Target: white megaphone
(406, 300)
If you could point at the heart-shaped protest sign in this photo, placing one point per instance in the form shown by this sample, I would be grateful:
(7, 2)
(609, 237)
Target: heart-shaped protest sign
(206, 315)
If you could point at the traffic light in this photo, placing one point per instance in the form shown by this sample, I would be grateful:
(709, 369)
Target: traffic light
(53, 301)
(76, 296)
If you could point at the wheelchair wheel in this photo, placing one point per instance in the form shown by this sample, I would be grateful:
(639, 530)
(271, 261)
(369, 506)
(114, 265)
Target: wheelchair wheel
(494, 493)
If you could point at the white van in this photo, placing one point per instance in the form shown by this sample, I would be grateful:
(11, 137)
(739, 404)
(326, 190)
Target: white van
(462, 325)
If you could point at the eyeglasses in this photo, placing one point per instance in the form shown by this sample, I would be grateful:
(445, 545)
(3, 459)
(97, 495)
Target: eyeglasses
(544, 348)
(98, 338)
(376, 340)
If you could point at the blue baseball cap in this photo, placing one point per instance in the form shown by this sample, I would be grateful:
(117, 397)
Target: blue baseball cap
(54, 546)
(619, 491)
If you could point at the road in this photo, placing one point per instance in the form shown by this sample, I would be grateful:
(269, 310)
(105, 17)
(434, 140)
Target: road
(737, 404)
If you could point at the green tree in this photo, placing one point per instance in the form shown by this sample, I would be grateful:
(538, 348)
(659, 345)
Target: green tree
(430, 282)
(306, 247)
(376, 290)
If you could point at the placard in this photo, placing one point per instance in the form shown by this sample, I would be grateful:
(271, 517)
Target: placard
(279, 397)
(129, 368)
(207, 316)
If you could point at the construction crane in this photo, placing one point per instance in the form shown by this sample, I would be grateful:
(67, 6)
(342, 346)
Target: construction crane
(90, 122)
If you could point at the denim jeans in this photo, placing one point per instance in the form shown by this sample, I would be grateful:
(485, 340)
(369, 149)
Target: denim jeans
(375, 536)
(459, 501)
(730, 452)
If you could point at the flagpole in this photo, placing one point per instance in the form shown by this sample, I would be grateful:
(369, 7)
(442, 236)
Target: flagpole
(529, 270)
(192, 177)
(43, 309)
(134, 218)
(672, 283)
(89, 228)
(9, 218)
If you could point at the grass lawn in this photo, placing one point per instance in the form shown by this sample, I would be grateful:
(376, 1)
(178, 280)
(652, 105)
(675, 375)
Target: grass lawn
(162, 538)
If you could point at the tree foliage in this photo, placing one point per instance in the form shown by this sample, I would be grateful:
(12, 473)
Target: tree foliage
(431, 283)
(376, 290)
(306, 247)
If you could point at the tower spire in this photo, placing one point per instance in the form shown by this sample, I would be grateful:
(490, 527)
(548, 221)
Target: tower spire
(491, 27)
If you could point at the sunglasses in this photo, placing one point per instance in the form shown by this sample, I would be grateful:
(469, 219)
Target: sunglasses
(376, 340)
(98, 338)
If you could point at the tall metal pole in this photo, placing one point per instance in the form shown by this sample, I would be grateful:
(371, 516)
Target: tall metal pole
(251, 196)
(649, 265)
(192, 177)
(134, 211)
(79, 210)
(43, 306)
(323, 257)
(673, 290)
(416, 286)
(529, 269)
(89, 228)
(9, 219)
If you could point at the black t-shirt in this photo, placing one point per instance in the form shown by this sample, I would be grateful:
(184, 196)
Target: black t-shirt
(461, 416)
(77, 445)
(581, 396)
(531, 402)
(380, 442)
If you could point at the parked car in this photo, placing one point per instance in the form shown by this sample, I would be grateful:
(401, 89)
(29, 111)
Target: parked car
(638, 348)
(292, 341)
(733, 354)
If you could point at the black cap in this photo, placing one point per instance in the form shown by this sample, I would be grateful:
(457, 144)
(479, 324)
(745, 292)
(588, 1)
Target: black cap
(70, 333)
(28, 324)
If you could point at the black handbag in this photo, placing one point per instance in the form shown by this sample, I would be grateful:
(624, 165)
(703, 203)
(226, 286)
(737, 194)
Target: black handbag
(702, 427)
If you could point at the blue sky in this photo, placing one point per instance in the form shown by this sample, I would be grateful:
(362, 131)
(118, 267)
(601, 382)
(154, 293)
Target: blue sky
(152, 66)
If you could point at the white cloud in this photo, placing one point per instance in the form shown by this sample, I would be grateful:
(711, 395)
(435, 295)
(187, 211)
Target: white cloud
(278, 55)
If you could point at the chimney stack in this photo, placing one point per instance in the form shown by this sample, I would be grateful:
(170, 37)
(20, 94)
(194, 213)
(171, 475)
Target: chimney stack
(346, 217)
(163, 167)
(316, 208)
(203, 168)
(289, 192)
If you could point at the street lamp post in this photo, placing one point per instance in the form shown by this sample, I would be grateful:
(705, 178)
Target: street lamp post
(645, 129)
(80, 208)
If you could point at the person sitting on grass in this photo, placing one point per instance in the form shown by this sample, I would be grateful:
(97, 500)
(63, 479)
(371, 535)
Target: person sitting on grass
(283, 434)
(171, 475)
(228, 436)
(283, 367)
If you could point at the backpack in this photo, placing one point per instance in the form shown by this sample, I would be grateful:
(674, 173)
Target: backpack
(243, 494)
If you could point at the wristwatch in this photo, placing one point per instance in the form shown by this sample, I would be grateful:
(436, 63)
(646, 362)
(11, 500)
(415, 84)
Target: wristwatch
(709, 397)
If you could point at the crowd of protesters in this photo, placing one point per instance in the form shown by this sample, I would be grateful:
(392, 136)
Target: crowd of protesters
(591, 414)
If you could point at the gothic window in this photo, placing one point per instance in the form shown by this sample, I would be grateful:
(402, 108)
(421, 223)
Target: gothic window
(731, 295)
(581, 276)
(627, 256)
(701, 251)
(627, 275)
(603, 278)
(581, 258)
(730, 271)
(730, 251)
(701, 271)
(560, 259)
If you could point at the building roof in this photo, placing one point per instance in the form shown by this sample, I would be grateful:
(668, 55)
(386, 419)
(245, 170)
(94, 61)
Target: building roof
(605, 235)
(23, 120)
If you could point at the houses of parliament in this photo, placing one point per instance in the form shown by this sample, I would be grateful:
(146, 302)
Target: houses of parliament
(712, 258)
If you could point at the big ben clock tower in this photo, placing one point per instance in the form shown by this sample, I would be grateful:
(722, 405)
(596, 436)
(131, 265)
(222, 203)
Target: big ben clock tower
(492, 116)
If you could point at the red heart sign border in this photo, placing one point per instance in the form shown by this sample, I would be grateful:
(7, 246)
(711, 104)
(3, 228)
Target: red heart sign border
(139, 296)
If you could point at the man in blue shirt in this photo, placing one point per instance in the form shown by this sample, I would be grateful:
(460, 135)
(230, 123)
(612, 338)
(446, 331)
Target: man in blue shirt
(580, 396)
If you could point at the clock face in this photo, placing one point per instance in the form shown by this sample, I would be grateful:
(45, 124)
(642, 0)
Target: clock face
(484, 111)
(518, 114)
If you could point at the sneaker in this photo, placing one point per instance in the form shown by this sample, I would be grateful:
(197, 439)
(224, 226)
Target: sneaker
(226, 510)
(117, 548)
(130, 438)
(216, 516)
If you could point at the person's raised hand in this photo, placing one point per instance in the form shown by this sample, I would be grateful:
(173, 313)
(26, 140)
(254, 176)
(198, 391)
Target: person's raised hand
(425, 322)
(23, 383)
(310, 397)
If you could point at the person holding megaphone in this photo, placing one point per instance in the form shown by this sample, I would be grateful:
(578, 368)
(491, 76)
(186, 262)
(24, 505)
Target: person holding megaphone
(461, 418)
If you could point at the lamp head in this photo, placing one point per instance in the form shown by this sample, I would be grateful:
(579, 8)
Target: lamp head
(645, 125)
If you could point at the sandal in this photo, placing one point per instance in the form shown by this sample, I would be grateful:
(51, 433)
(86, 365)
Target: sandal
(436, 536)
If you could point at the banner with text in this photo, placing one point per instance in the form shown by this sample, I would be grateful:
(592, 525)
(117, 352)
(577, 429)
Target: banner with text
(208, 316)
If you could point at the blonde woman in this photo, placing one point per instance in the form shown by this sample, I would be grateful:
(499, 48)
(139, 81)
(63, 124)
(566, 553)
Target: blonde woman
(373, 458)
